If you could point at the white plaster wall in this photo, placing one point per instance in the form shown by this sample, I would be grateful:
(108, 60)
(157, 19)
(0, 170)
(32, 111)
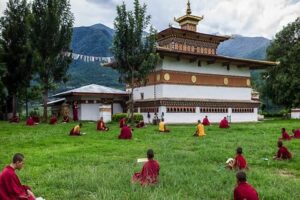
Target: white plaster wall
(89, 112)
(216, 68)
(295, 115)
(148, 92)
(117, 108)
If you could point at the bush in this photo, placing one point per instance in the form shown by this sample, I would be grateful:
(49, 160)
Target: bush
(136, 117)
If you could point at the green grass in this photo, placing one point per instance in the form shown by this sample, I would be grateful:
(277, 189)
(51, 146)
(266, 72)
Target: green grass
(99, 166)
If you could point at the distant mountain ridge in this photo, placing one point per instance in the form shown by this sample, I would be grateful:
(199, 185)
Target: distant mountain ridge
(96, 40)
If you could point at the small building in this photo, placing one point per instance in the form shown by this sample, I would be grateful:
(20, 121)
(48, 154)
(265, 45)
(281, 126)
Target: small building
(94, 101)
(295, 113)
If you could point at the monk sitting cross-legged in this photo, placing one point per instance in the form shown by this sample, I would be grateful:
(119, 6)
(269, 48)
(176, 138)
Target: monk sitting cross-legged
(66, 119)
(125, 132)
(162, 126)
(239, 161)
(224, 123)
(282, 153)
(243, 190)
(284, 135)
(140, 124)
(53, 120)
(296, 133)
(76, 130)
(205, 121)
(101, 125)
(149, 173)
(200, 130)
(29, 121)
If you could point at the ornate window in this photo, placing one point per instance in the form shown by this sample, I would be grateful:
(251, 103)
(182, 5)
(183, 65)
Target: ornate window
(214, 110)
(181, 109)
(243, 110)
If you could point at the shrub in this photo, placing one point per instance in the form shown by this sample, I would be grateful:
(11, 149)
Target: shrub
(136, 117)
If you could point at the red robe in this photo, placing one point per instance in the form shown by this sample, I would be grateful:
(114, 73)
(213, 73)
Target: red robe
(66, 119)
(140, 125)
(245, 191)
(11, 187)
(30, 122)
(101, 126)
(205, 121)
(36, 119)
(285, 136)
(14, 119)
(296, 134)
(122, 122)
(224, 123)
(75, 112)
(125, 133)
(53, 120)
(75, 131)
(283, 153)
(149, 173)
(240, 162)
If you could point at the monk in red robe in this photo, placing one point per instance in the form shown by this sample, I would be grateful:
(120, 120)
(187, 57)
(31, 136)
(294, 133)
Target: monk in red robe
(284, 135)
(243, 190)
(205, 121)
(140, 124)
(66, 119)
(224, 123)
(122, 122)
(36, 119)
(125, 132)
(296, 133)
(101, 125)
(53, 120)
(282, 153)
(14, 119)
(10, 185)
(76, 130)
(149, 173)
(75, 111)
(239, 162)
(29, 121)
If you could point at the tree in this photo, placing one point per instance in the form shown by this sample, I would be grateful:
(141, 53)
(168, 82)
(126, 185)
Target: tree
(52, 27)
(134, 54)
(15, 43)
(282, 81)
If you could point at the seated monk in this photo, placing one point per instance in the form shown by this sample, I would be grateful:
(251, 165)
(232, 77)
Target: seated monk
(284, 135)
(122, 122)
(296, 133)
(66, 119)
(76, 130)
(125, 132)
(239, 162)
(205, 121)
(53, 120)
(282, 153)
(29, 121)
(36, 119)
(200, 130)
(243, 190)
(149, 173)
(10, 185)
(224, 123)
(101, 125)
(14, 119)
(162, 126)
(140, 124)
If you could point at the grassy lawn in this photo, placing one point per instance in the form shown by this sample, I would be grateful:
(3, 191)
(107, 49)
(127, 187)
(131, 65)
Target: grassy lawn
(99, 166)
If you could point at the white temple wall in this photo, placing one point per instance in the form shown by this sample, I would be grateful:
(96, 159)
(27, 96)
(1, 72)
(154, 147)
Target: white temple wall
(117, 108)
(89, 112)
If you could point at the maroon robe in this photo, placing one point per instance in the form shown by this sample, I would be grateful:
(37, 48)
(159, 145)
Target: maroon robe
(66, 119)
(11, 187)
(36, 119)
(122, 122)
(30, 122)
(53, 120)
(285, 136)
(101, 126)
(75, 112)
(283, 153)
(205, 121)
(224, 123)
(14, 119)
(296, 134)
(245, 191)
(240, 162)
(125, 133)
(149, 173)
(140, 125)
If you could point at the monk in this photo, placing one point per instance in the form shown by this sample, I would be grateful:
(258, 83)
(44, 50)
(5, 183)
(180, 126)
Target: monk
(239, 162)
(284, 135)
(14, 119)
(224, 123)
(36, 119)
(205, 121)
(282, 153)
(101, 125)
(149, 173)
(162, 126)
(243, 190)
(29, 121)
(125, 133)
(140, 124)
(53, 120)
(76, 130)
(122, 122)
(10, 185)
(66, 119)
(296, 133)
(200, 130)
(75, 111)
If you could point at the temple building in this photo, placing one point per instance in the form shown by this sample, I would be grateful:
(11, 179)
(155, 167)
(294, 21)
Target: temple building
(193, 81)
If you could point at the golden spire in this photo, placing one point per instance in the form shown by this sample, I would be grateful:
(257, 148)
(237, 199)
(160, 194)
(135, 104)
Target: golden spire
(188, 9)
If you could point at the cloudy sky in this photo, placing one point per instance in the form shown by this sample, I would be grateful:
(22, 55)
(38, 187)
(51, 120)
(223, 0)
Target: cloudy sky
(244, 17)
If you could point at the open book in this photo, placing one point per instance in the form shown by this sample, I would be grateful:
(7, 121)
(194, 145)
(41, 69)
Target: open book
(141, 160)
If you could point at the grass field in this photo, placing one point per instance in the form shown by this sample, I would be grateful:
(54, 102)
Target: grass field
(99, 166)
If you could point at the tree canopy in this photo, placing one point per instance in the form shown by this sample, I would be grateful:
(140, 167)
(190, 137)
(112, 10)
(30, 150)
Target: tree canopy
(282, 81)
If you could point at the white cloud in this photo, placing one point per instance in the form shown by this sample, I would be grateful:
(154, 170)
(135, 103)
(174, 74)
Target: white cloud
(244, 17)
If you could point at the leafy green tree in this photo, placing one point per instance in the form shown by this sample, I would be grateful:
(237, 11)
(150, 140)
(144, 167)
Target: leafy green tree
(134, 53)
(282, 81)
(52, 27)
(17, 55)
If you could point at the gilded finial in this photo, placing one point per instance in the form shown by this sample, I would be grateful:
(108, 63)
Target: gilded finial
(188, 9)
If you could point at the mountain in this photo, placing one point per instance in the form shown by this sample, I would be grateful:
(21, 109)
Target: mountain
(96, 40)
